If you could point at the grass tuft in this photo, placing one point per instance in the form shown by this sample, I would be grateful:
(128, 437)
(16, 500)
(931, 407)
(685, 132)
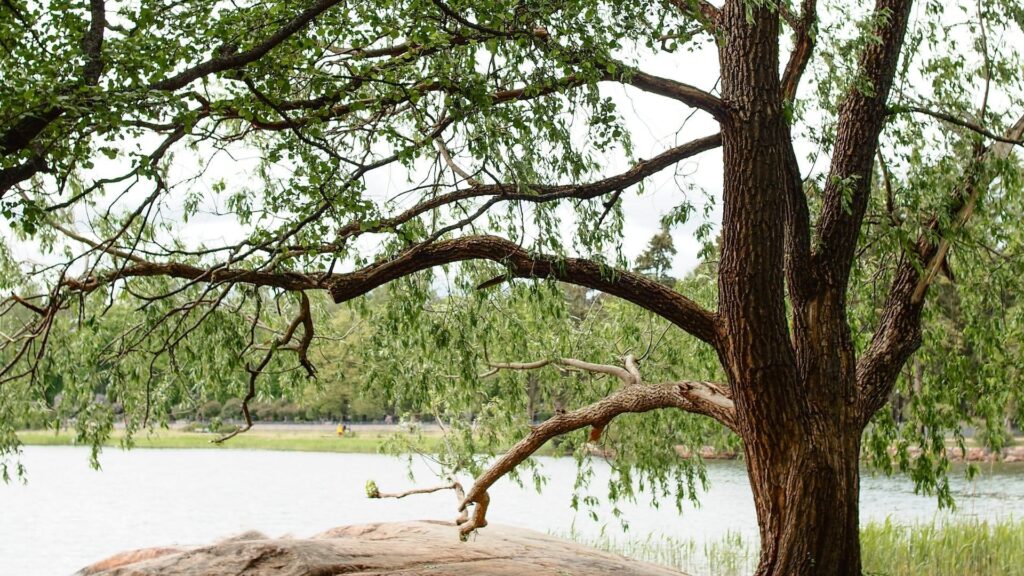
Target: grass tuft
(889, 548)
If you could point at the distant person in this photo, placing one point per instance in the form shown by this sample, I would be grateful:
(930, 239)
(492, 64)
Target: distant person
(388, 420)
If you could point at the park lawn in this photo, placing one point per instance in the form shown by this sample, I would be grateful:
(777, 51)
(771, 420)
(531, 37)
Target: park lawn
(255, 439)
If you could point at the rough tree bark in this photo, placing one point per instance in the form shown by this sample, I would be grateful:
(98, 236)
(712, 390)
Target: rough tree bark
(795, 386)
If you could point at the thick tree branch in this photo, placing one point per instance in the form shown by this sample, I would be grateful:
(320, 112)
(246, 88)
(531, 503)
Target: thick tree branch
(9, 177)
(648, 294)
(532, 193)
(861, 117)
(899, 329)
(239, 59)
(92, 43)
(679, 91)
(293, 281)
(804, 32)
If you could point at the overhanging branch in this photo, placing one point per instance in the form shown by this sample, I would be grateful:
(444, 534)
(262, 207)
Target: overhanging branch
(630, 399)
(533, 193)
(646, 293)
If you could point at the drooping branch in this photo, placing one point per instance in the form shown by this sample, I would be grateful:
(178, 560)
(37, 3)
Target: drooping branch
(305, 319)
(698, 397)
(961, 122)
(646, 293)
(899, 329)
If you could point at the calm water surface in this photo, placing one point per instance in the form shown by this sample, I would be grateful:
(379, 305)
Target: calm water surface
(69, 515)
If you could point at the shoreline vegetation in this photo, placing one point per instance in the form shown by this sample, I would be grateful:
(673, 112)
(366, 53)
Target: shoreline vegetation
(889, 548)
(371, 439)
(292, 439)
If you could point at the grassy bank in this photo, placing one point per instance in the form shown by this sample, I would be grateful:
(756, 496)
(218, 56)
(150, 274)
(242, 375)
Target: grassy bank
(255, 439)
(965, 548)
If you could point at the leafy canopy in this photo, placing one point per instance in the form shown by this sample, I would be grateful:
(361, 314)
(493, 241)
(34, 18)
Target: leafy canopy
(173, 172)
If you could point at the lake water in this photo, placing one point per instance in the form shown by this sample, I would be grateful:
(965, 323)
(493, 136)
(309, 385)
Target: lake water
(69, 515)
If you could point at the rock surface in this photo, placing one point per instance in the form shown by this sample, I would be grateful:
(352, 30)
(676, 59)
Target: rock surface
(408, 548)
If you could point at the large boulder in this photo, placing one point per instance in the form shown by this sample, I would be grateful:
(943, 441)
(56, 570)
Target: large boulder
(408, 548)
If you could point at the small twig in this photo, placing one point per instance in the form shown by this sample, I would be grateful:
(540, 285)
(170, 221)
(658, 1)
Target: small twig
(373, 492)
(973, 126)
(446, 155)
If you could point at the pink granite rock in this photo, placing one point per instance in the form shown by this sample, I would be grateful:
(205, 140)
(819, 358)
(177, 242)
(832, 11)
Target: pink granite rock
(408, 549)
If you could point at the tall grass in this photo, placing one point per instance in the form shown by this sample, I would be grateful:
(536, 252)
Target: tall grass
(969, 548)
(941, 548)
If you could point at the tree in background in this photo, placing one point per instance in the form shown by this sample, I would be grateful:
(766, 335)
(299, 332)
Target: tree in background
(656, 260)
(862, 147)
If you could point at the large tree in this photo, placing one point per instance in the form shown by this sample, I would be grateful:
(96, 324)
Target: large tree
(857, 143)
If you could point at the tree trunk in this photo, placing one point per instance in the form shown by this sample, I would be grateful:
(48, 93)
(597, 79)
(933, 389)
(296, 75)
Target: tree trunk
(806, 493)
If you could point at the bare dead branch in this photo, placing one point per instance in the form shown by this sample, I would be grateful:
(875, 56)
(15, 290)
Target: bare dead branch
(573, 363)
(698, 397)
(442, 149)
(374, 493)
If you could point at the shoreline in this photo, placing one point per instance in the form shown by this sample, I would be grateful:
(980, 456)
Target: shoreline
(371, 439)
(315, 438)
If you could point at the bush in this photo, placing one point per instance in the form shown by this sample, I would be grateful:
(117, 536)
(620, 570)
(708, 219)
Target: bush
(232, 410)
(262, 411)
(210, 410)
(289, 412)
(223, 427)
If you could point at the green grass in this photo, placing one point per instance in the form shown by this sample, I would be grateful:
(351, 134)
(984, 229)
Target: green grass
(300, 441)
(960, 548)
(966, 548)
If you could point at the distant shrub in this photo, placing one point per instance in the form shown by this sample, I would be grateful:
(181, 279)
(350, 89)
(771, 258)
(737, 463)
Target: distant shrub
(210, 410)
(232, 409)
(261, 411)
(223, 427)
(290, 412)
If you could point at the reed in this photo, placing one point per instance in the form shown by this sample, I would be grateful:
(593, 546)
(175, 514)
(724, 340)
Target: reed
(890, 548)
